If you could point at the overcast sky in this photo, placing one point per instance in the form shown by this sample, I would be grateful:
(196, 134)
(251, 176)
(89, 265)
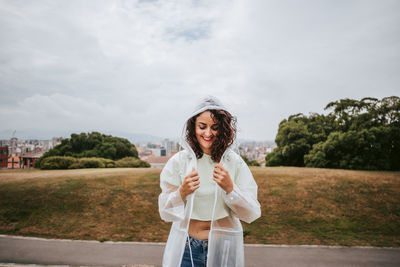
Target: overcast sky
(141, 66)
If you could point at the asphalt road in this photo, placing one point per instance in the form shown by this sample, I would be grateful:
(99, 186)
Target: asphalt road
(27, 250)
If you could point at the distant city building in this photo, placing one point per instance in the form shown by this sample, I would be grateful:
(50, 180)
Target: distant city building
(170, 146)
(156, 152)
(158, 162)
(3, 157)
(163, 152)
(13, 150)
(163, 149)
(14, 162)
(24, 153)
(28, 159)
(257, 151)
(152, 146)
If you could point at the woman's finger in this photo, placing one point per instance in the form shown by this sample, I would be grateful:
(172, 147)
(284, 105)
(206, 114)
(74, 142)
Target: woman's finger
(190, 179)
(219, 166)
(218, 181)
(196, 178)
(196, 183)
(192, 174)
(218, 176)
(217, 172)
(216, 169)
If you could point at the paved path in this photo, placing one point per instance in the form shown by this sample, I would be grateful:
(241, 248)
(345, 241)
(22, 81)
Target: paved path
(40, 251)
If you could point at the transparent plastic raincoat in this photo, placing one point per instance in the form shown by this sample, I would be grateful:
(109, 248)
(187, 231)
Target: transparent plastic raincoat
(225, 240)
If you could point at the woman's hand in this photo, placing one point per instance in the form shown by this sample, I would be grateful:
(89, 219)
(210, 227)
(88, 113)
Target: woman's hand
(190, 184)
(222, 178)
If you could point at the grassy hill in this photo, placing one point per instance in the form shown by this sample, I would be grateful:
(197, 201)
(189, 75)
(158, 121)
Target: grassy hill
(299, 206)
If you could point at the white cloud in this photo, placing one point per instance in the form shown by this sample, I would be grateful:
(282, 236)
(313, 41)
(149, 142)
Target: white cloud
(143, 64)
(60, 111)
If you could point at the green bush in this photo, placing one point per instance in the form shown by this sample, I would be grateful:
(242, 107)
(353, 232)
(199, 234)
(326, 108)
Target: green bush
(274, 158)
(92, 162)
(75, 165)
(131, 162)
(109, 163)
(57, 162)
(61, 162)
(88, 163)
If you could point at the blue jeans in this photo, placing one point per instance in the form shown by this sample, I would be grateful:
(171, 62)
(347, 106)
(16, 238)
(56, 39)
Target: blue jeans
(199, 253)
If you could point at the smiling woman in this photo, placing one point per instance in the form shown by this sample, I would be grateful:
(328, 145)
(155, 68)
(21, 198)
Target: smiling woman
(206, 190)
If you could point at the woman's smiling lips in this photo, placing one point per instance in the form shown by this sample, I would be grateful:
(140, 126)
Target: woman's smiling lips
(207, 139)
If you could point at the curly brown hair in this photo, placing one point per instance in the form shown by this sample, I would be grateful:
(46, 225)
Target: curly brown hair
(225, 136)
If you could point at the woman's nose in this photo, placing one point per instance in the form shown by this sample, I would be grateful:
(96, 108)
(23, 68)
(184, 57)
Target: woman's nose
(208, 132)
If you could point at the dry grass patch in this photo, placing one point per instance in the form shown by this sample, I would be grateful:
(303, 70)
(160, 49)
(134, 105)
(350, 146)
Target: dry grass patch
(326, 206)
(299, 205)
(102, 204)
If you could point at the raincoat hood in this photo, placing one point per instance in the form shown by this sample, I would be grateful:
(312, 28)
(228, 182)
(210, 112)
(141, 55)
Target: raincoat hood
(206, 103)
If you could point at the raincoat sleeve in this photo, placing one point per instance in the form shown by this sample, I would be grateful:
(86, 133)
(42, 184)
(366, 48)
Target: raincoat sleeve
(243, 198)
(170, 204)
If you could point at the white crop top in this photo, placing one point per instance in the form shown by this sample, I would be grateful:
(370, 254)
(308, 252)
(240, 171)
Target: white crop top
(205, 195)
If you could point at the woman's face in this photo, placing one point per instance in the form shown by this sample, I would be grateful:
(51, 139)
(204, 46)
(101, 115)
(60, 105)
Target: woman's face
(206, 131)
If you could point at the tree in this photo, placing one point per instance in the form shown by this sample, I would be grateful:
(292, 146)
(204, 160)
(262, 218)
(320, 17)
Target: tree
(94, 145)
(361, 150)
(296, 136)
(357, 134)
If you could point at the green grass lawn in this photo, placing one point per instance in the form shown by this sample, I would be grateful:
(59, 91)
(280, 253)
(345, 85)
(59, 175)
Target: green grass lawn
(299, 206)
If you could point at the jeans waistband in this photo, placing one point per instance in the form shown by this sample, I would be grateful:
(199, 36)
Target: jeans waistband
(194, 242)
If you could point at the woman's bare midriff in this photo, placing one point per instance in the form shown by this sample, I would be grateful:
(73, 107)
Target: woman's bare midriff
(199, 229)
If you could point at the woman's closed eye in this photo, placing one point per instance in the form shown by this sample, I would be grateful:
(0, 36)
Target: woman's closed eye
(214, 128)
